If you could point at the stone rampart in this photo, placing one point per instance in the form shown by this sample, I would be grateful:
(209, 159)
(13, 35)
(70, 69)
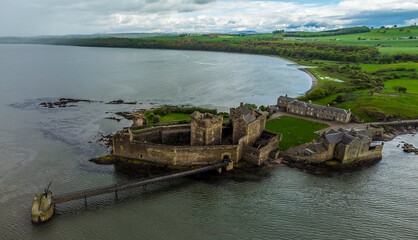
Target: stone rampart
(173, 155)
(177, 134)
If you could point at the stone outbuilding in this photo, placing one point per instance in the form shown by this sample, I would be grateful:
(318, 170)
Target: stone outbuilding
(339, 145)
(294, 106)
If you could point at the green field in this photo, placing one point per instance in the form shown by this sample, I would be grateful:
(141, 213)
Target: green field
(410, 84)
(376, 34)
(374, 67)
(174, 117)
(219, 37)
(367, 106)
(380, 38)
(294, 131)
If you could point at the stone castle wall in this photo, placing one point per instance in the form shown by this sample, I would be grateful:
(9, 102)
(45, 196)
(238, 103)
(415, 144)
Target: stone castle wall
(255, 129)
(258, 156)
(371, 153)
(164, 135)
(172, 154)
(314, 158)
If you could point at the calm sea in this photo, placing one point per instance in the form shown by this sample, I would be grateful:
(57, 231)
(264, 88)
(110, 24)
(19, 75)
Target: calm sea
(41, 144)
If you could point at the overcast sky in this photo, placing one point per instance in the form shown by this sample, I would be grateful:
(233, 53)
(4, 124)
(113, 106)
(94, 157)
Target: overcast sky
(60, 17)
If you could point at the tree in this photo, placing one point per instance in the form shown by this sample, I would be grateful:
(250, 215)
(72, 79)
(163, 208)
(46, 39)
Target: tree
(395, 26)
(400, 89)
(278, 31)
(339, 99)
(250, 105)
(378, 89)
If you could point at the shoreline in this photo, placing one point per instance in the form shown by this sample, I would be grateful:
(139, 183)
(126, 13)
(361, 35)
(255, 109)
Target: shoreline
(315, 80)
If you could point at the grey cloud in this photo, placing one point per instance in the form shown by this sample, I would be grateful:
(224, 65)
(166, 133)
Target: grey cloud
(203, 1)
(26, 17)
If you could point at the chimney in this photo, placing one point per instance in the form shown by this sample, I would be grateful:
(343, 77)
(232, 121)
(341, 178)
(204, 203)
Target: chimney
(286, 95)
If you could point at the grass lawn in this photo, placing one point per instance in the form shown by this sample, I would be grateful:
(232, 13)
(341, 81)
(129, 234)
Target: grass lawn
(398, 50)
(294, 131)
(410, 84)
(403, 107)
(328, 99)
(374, 67)
(174, 117)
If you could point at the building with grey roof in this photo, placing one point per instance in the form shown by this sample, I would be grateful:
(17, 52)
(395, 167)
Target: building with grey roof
(340, 145)
(294, 106)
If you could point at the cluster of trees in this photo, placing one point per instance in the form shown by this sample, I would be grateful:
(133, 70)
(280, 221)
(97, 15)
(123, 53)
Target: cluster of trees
(152, 117)
(278, 31)
(301, 50)
(342, 31)
(400, 89)
(164, 110)
(402, 57)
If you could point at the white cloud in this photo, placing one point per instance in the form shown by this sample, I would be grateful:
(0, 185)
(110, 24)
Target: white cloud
(26, 17)
(411, 21)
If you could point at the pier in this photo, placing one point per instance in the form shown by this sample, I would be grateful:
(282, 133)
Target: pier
(41, 214)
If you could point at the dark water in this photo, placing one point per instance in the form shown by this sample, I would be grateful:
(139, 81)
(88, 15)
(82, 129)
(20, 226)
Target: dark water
(39, 144)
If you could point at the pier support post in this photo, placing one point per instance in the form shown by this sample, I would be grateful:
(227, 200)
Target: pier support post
(116, 195)
(230, 166)
(85, 202)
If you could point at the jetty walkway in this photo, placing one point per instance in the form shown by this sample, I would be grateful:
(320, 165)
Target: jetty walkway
(117, 188)
(43, 205)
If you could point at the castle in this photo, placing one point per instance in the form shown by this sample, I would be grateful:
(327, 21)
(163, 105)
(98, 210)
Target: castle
(207, 140)
(294, 106)
(344, 146)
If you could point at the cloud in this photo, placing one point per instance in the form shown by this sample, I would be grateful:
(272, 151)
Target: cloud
(411, 21)
(34, 17)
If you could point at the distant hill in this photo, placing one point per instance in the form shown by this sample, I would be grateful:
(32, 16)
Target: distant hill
(82, 36)
(341, 31)
(247, 32)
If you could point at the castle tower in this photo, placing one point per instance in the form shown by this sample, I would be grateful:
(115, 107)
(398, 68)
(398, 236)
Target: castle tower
(206, 129)
(246, 121)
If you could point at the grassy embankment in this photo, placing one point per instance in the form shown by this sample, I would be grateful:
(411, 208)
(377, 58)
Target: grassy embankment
(294, 131)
